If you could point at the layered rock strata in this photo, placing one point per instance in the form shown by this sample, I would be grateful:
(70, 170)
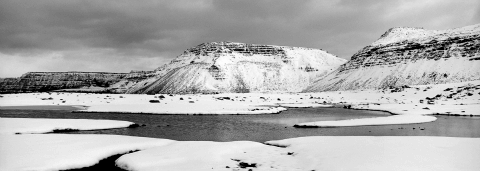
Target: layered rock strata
(409, 56)
(220, 67)
(47, 81)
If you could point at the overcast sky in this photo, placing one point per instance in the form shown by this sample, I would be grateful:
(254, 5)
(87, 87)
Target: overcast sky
(124, 35)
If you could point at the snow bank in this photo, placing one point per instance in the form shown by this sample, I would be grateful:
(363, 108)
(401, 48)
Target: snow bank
(303, 105)
(37, 125)
(423, 109)
(206, 109)
(198, 156)
(61, 152)
(390, 120)
(312, 153)
(383, 153)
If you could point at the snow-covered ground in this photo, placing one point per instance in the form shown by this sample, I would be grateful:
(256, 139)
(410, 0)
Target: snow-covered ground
(412, 105)
(60, 152)
(444, 99)
(312, 153)
(202, 155)
(161, 104)
(42, 152)
(38, 125)
(383, 153)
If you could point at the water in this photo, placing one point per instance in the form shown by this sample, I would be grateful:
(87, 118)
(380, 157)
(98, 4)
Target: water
(259, 128)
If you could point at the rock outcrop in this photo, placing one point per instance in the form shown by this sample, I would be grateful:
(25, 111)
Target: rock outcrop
(220, 67)
(409, 56)
(47, 81)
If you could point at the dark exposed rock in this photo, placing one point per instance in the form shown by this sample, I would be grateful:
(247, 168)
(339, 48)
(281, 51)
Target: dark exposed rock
(245, 164)
(133, 125)
(50, 81)
(154, 101)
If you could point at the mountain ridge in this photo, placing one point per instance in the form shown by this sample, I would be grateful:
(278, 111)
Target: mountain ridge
(396, 59)
(233, 67)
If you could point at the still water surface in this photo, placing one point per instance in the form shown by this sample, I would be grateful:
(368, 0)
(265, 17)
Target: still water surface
(259, 128)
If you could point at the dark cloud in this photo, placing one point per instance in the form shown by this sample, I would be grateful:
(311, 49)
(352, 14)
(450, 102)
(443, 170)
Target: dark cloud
(121, 35)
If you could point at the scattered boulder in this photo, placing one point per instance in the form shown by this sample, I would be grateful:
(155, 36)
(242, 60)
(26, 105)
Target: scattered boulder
(154, 101)
(133, 125)
(245, 165)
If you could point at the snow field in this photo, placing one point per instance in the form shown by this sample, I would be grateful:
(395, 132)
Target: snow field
(312, 153)
(61, 152)
(384, 153)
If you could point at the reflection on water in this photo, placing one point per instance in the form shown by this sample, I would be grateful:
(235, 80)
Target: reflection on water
(261, 127)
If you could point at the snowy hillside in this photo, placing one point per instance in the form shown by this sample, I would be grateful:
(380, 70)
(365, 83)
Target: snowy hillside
(409, 56)
(239, 67)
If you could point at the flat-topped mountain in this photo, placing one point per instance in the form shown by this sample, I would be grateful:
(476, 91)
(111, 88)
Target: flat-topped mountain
(48, 81)
(215, 67)
(410, 56)
(239, 67)
(45, 81)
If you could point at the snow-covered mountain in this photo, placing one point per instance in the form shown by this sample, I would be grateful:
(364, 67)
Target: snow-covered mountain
(239, 67)
(409, 56)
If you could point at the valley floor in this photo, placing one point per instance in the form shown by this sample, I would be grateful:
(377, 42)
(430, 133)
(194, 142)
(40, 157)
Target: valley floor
(408, 104)
(443, 99)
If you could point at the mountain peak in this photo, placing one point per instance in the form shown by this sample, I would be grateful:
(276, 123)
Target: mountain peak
(240, 67)
(397, 34)
(400, 30)
(410, 56)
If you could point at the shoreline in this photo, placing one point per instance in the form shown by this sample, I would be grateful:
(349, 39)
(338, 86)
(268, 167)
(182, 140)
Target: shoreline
(44, 107)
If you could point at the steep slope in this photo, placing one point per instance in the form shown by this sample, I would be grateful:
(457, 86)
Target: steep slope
(409, 56)
(219, 67)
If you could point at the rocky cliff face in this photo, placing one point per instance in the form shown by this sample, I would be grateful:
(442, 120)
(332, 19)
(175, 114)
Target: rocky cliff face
(239, 67)
(410, 56)
(47, 81)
